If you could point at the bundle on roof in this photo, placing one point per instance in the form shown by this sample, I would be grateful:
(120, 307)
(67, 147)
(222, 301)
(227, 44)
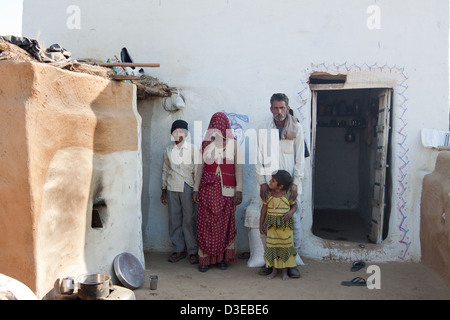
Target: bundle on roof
(54, 53)
(14, 52)
(14, 49)
(24, 49)
(148, 86)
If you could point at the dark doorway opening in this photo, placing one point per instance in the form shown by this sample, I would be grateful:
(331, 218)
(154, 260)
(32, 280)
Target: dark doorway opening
(350, 138)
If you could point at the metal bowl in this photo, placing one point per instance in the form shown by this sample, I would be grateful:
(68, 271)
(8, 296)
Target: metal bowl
(93, 286)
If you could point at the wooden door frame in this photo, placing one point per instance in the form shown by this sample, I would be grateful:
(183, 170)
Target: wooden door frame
(376, 232)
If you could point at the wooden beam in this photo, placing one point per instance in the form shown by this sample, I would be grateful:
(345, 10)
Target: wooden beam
(129, 64)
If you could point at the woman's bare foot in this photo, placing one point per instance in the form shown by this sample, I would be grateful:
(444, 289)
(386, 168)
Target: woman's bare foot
(284, 275)
(273, 274)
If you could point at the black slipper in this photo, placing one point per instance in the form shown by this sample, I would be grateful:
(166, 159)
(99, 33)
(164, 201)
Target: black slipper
(357, 265)
(358, 281)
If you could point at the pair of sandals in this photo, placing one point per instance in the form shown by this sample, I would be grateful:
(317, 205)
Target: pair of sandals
(358, 281)
(222, 266)
(292, 272)
(175, 257)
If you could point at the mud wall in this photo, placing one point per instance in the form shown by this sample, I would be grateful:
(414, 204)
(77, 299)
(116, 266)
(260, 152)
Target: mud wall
(435, 215)
(68, 141)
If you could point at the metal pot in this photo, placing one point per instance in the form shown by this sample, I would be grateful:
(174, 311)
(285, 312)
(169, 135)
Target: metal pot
(94, 286)
(67, 285)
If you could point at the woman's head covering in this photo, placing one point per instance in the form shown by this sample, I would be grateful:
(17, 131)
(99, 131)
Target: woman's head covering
(219, 124)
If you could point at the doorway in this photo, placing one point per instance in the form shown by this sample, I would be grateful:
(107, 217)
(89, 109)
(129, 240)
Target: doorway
(351, 174)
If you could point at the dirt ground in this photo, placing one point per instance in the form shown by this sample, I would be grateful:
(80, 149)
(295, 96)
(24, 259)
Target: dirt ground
(320, 280)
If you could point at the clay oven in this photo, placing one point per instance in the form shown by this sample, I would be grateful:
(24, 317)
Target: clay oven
(70, 173)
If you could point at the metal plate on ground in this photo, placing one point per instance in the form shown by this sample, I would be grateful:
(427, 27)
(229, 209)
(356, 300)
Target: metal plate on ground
(129, 270)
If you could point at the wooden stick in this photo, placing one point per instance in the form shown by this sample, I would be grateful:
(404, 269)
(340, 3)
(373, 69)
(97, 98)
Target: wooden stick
(125, 77)
(129, 64)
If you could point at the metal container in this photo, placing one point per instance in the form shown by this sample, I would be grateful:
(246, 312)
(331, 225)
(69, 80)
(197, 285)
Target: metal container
(94, 286)
(153, 281)
(129, 270)
(67, 285)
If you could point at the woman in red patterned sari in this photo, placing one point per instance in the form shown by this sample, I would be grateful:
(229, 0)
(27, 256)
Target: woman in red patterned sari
(218, 190)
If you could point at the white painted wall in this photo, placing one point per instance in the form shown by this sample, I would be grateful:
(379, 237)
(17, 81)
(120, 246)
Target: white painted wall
(232, 55)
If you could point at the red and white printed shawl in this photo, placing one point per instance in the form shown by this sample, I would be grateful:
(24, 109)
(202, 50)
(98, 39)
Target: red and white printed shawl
(216, 225)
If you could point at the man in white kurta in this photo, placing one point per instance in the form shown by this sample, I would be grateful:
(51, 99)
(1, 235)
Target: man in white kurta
(281, 146)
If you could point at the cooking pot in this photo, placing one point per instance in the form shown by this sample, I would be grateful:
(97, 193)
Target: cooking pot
(94, 286)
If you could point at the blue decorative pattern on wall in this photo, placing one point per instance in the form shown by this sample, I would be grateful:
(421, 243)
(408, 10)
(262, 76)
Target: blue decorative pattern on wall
(399, 111)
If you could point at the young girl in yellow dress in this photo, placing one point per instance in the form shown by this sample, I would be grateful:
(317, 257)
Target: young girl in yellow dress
(277, 224)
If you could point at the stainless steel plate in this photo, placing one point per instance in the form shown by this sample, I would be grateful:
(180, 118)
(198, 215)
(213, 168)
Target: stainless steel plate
(129, 270)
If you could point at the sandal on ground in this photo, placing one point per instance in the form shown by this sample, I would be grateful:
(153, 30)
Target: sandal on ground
(358, 281)
(203, 268)
(193, 259)
(265, 271)
(175, 257)
(358, 265)
(222, 265)
(293, 273)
